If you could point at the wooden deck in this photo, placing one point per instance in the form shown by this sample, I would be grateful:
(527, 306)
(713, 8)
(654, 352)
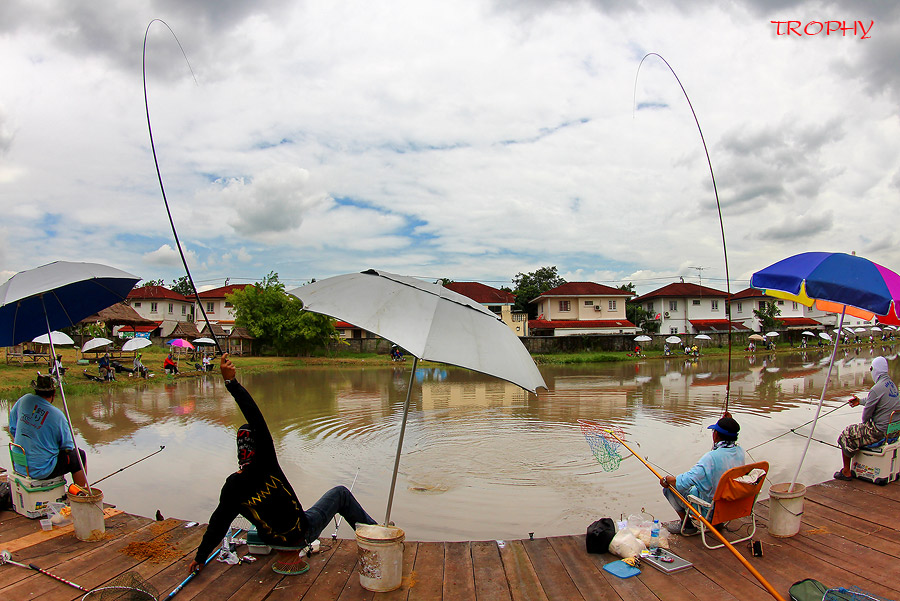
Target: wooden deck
(848, 537)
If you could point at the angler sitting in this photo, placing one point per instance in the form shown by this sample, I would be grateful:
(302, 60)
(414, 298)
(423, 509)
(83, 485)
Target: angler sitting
(260, 492)
(169, 365)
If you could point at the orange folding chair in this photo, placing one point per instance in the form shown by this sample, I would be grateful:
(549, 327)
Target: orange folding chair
(735, 498)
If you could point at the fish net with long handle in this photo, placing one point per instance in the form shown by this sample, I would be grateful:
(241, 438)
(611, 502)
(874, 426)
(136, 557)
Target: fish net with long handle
(604, 445)
(852, 593)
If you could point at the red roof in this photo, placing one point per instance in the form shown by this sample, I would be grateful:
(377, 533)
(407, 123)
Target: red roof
(344, 325)
(544, 324)
(716, 325)
(798, 321)
(583, 289)
(481, 293)
(681, 290)
(749, 293)
(221, 291)
(140, 328)
(157, 292)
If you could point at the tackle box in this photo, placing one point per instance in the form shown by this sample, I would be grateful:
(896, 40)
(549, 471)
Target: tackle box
(880, 465)
(255, 545)
(32, 498)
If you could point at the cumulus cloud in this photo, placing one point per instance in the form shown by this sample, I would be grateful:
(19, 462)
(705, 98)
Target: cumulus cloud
(167, 256)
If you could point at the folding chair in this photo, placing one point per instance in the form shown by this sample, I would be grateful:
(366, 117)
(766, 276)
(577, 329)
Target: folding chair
(733, 499)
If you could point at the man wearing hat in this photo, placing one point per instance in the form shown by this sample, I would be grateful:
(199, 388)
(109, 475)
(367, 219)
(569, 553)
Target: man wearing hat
(883, 399)
(42, 430)
(702, 479)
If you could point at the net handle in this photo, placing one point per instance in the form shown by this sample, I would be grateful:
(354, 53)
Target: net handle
(718, 535)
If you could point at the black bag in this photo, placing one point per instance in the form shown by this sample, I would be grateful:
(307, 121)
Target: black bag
(5, 496)
(599, 535)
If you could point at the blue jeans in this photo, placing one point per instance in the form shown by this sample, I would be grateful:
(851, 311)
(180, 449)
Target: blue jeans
(338, 500)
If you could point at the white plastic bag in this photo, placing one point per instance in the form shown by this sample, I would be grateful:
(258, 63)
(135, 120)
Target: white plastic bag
(624, 544)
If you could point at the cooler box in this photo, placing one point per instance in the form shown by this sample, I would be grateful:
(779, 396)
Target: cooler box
(878, 465)
(255, 544)
(32, 498)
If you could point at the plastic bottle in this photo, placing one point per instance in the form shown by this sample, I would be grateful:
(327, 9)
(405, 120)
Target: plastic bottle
(654, 536)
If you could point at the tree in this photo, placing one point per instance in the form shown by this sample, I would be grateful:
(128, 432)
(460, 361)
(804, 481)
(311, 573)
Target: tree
(159, 282)
(530, 285)
(637, 314)
(277, 320)
(768, 316)
(183, 286)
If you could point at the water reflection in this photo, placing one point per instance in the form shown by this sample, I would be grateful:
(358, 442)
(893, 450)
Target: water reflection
(482, 458)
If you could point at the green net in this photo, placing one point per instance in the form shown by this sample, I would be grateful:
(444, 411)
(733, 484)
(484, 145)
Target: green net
(603, 442)
(853, 593)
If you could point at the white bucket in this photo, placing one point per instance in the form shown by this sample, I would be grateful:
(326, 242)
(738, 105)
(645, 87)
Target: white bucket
(785, 509)
(380, 557)
(87, 513)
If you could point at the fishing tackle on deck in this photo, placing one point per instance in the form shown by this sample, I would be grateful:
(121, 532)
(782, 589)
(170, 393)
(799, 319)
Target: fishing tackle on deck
(5, 557)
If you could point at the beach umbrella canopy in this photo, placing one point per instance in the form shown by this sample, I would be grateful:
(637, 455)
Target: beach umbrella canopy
(757, 337)
(702, 337)
(771, 334)
(204, 341)
(136, 343)
(673, 340)
(58, 295)
(642, 338)
(59, 338)
(95, 343)
(428, 321)
(876, 329)
(807, 333)
(180, 343)
(859, 330)
(825, 336)
(836, 283)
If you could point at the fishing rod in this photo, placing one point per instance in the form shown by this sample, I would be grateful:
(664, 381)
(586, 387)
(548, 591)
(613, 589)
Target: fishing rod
(337, 521)
(162, 188)
(712, 176)
(706, 523)
(5, 557)
(794, 429)
(161, 447)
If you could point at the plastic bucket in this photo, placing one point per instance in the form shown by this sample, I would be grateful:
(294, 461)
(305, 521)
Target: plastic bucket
(380, 557)
(785, 509)
(87, 514)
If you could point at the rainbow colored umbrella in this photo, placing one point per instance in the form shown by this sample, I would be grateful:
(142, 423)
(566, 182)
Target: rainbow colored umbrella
(835, 283)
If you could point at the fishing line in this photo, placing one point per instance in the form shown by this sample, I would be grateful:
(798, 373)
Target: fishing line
(162, 188)
(715, 191)
(793, 430)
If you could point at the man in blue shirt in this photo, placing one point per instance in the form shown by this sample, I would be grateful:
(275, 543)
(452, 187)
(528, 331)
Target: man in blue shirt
(42, 430)
(702, 479)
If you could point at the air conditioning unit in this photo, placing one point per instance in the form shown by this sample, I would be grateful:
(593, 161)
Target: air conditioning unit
(667, 314)
(597, 308)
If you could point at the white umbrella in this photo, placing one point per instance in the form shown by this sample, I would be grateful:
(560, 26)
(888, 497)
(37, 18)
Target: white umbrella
(702, 337)
(758, 337)
(825, 336)
(771, 334)
(643, 338)
(430, 322)
(59, 338)
(859, 330)
(807, 333)
(204, 341)
(95, 343)
(136, 343)
(876, 329)
(673, 340)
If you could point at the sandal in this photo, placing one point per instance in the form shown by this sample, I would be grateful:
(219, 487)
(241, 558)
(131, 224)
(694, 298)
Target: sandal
(839, 475)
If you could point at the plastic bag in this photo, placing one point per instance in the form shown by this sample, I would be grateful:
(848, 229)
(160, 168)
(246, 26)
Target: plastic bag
(625, 544)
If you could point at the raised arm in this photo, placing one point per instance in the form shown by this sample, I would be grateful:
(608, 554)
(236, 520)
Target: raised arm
(265, 446)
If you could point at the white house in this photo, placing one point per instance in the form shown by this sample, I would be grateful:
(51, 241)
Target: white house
(577, 308)
(218, 310)
(794, 315)
(683, 308)
(498, 301)
(166, 307)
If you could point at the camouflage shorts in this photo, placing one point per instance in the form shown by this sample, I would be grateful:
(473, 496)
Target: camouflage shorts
(856, 436)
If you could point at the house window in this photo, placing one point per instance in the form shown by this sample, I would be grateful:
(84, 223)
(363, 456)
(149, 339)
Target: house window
(137, 305)
(739, 307)
(673, 305)
(649, 307)
(794, 305)
(696, 302)
(153, 307)
(714, 305)
(762, 305)
(210, 307)
(588, 303)
(171, 308)
(673, 330)
(780, 303)
(612, 304)
(565, 305)
(227, 305)
(184, 309)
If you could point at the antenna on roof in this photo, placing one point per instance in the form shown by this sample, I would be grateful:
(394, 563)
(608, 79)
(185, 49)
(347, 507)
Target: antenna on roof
(699, 273)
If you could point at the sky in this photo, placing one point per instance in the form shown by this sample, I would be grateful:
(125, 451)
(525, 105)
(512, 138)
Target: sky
(470, 140)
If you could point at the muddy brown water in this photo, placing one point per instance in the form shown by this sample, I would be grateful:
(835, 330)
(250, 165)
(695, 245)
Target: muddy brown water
(482, 459)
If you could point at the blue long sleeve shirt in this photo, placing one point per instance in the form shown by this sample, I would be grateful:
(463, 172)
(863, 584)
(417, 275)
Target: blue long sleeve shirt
(702, 479)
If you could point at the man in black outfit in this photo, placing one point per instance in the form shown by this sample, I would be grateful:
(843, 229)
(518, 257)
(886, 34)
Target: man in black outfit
(260, 492)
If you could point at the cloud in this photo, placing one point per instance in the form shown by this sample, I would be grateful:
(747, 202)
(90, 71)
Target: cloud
(798, 228)
(167, 256)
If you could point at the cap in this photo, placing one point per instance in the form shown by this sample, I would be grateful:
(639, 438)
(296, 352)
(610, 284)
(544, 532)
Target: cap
(43, 384)
(726, 427)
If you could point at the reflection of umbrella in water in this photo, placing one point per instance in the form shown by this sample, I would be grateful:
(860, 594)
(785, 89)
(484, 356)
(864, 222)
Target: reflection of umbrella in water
(58, 295)
(95, 343)
(430, 322)
(59, 339)
(673, 340)
(136, 343)
(757, 337)
(835, 283)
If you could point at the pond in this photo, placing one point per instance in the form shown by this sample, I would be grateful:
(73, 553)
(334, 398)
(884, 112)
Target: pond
(482, 459)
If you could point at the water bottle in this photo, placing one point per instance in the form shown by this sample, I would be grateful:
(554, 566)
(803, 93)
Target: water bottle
(654, 536)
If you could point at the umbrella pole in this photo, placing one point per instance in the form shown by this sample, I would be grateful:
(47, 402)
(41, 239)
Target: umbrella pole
(62, 392)
(412, 375)
(837, 340)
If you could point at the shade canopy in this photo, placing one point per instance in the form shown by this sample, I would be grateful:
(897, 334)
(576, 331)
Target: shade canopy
(135, 344)
(180, 343)
(642, 338)
(59, 338)
(673, 340)
(702, 337)
(95, 343)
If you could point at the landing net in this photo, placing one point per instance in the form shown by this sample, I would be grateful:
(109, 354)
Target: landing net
(603, 444)
(852, 593)
(129, 586)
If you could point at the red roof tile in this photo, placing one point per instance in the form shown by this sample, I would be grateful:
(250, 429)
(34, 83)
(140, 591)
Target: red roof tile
(584, 289)
(157, 292)
(544, 324)
(480, 293)
(749, 293)
(716, 325)
(681, 290)
(798, 321)
(221, 291)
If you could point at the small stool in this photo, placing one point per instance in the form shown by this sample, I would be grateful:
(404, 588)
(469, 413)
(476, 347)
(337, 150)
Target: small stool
(289, 561)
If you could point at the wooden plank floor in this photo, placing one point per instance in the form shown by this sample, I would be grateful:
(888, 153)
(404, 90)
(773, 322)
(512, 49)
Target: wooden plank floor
(848, 536)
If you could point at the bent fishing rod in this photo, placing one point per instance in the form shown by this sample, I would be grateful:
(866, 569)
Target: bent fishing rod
(122, 469)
